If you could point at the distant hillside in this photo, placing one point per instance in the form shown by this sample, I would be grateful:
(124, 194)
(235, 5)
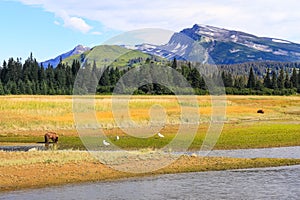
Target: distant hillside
(111, 55)
(76, 51)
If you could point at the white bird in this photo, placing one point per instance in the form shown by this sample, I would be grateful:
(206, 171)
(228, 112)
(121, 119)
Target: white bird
(105, 143)
(161, 135)
(118, 137)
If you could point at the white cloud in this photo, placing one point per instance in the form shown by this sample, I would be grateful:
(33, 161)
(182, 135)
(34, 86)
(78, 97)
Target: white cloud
(96, 33)
(75, 23)
(275, 18)
(57, 23)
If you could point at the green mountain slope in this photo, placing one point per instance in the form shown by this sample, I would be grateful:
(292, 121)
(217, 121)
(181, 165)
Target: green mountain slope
(111, 55)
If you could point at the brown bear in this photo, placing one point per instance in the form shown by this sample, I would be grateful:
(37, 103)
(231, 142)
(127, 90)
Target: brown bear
(261, 111)
(51, 135)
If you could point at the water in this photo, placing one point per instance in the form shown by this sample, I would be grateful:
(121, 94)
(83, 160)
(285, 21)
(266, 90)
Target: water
(281, 152)
(267, 183)
(22, 148)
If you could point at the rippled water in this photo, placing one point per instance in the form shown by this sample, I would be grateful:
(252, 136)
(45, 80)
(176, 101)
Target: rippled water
(281, 152)
(22, 148)
(267, 183)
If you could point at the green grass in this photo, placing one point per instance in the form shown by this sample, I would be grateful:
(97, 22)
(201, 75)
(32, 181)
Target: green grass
(259, 135)
(234, 136)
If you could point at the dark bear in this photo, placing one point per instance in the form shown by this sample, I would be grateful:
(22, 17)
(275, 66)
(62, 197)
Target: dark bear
(261, 111)
(51, 135)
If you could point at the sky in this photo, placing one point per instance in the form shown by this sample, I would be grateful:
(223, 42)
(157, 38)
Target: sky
(48, 28)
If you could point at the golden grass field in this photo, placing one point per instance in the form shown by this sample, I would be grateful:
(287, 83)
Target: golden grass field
(33, 115)
(27, 118)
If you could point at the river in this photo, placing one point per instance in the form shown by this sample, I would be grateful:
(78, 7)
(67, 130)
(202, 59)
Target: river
(280, 152)
(266, 183)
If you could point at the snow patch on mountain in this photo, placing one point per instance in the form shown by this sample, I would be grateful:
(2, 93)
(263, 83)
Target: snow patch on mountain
(234, 50)
(281, 52)
(261, 47)
(281, 41)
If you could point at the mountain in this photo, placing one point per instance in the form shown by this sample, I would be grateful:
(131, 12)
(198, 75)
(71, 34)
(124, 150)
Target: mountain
(112, 55)
(201, 43)
(76, 51)
(223, 47)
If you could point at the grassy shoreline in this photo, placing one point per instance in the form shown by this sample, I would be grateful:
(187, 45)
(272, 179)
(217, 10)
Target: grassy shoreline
(234, 136)
(24, 170)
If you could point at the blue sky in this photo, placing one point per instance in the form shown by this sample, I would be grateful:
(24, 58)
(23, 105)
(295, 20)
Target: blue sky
(28, 29)
(48, 28)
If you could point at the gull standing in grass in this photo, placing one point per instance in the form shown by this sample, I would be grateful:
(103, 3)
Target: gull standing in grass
(161, 135)
(105, 143)
(118, 137)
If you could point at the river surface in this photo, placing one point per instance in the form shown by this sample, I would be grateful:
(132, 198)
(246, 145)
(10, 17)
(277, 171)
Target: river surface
(280, 152)
(266, 183)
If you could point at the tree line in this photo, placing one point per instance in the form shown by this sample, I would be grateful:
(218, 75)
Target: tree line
(261, 78)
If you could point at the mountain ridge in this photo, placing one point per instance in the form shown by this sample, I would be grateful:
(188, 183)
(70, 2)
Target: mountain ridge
(215, 45)
(226, 46)
(79, 49)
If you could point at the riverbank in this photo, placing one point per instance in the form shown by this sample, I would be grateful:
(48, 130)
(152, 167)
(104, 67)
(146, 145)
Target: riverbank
(37, 169)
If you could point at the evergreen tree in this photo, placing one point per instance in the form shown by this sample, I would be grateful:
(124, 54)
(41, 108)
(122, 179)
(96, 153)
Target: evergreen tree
(299, 76)
(239, 82)
(41, 73)
(21, 87)
(13, 70)
(267, 79)
(1, 89)
(12, 87)
(105, 79)
(4, 72)
(186, 70)
(294, 79)
(195, 78)
(287, 82)
(88, 78)
(50, 79)
(33, 87)
(69, 78)
(251, 80)
(112, 77)
(227, 79)
(60, 77)
(93, 81)
(174, 63)
(259, 85)
(44, 88)
(19, 68)
(274, 80)
(280, 79)
(75, 67)
(117, 74)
